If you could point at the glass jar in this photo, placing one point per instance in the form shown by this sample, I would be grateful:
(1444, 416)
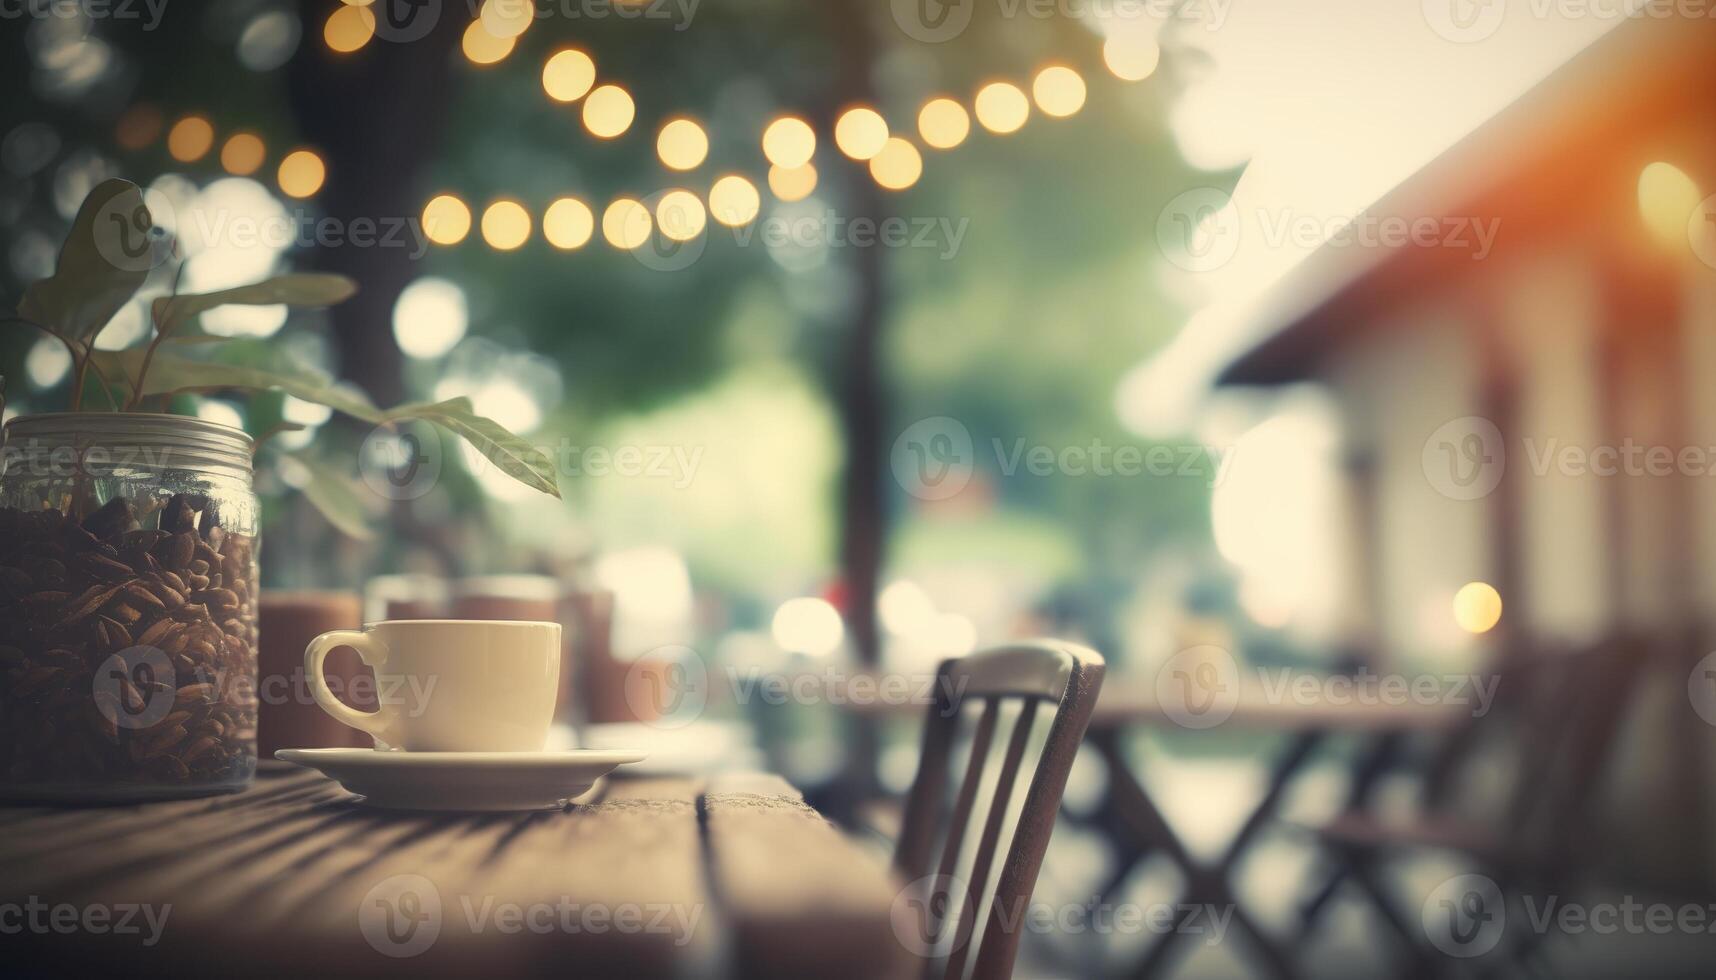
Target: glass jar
(127, 608)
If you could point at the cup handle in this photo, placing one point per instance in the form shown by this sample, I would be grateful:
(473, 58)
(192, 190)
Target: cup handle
(373, 652)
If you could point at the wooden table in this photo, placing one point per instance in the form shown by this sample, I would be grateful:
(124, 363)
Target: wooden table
(1136, 825)
(654, 877)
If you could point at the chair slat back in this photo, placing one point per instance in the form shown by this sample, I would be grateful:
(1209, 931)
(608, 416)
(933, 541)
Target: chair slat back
(1056, 677)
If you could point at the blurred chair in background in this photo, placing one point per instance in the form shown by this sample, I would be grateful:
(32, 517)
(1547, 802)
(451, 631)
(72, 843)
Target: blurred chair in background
(1554, 719)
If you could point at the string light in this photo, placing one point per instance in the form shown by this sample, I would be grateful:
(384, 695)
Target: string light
(301, 173)
(568, 223)
(1059, 91)
(243, 154)
(860, 133)
(734, 201)
(568, 75)
(446, 220)
(483, 48)
(793, 183)
(190, 138)
(943, 123)
(898, 166)
(507, 18)
(348, 28)
(1002, 108)
(682, 145)
(138, 127)
(506, 225)
(608, 111)
(680, 215)
(789, 142)
(626, 223)
(1131, 58)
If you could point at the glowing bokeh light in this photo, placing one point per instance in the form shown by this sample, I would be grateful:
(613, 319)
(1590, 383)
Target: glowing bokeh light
(789, 142)
(430, 318)
(446, 220)
(483, 48)
(348, 28)
(808, 625)
(568, 75)
(626, 223)
(734, 201)
(682, 144)
(680, 215)
(860, 133)
(898, 166)
(1131, 58)
(1477, 607)
(301, 173)
(943, 123)
(608, 111)
(190, 139)
(793, 184)
(1059, 91)
(1002, 108)
(243, 153)
(568, 223)
(506, 225)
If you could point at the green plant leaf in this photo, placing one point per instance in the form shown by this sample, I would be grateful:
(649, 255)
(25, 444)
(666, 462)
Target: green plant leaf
(516, 457)
(171, 373)
(335, 494)
(294, 289)
(106, 257)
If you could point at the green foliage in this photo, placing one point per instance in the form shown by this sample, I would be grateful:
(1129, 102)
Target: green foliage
(99, 272)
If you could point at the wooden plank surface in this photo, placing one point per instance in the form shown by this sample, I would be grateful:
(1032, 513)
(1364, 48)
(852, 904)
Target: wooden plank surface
(293, 877)
(802, 899)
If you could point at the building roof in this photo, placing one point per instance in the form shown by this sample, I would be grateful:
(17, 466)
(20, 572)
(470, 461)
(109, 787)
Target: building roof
(1645, 91)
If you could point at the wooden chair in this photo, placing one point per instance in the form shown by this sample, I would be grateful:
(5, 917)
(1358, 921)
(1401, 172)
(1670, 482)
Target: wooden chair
(1060, 679)
(1560, 710)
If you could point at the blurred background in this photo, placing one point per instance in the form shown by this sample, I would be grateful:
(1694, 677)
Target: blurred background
(1363, 341)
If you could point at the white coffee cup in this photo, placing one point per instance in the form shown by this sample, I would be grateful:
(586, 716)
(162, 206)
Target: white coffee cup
(449, 685)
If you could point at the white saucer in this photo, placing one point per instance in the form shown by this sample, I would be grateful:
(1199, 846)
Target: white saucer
(487, 781)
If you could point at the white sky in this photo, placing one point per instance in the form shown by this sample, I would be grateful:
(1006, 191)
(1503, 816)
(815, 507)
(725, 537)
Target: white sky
(1333, 103)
